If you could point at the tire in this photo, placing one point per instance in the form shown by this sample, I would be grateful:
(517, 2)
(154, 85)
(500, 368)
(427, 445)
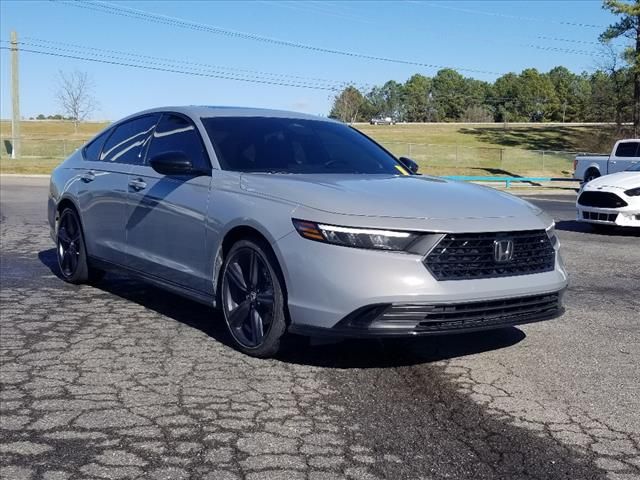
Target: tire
(70, 248)
(252, 298)
(591, 174)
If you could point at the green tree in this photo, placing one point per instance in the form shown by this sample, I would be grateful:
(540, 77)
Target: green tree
(564, 83)
(537, 96)
(506, 91)
(627, 26)
(376, 102)
(348, 105)
(417, 99)
(449, 90)
(392, 93)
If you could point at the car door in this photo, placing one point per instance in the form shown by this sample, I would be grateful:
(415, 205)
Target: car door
(102, 190)
(166, 213)
(626, 154)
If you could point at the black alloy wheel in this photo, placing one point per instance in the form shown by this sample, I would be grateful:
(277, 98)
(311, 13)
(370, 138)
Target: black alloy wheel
(70, 248)
(252, 298)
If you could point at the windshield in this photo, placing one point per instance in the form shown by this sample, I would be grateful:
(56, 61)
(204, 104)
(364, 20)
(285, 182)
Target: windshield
(289, 145)
(634, 168)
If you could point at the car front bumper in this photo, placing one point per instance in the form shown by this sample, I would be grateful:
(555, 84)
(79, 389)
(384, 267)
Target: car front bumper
(341, 291)
(609, 216)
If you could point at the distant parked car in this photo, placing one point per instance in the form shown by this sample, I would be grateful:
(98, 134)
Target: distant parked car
(382, 121)
(289, 222)
(611, 200)
(625, 153)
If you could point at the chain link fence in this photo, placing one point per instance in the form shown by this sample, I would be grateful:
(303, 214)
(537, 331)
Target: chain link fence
(41, 147)
(435, 159)
(438, 159)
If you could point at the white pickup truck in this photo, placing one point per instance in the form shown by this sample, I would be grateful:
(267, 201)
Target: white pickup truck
(625, 153)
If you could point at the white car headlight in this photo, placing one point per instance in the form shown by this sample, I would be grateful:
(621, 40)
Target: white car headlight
(634, 192)
(551, 233)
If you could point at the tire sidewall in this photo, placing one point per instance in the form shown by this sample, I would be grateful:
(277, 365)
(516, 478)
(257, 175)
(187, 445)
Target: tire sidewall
(271, 342)
(591, 175)
(81, 274)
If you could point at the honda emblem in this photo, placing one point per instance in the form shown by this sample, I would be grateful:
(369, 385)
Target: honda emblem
(503, 250)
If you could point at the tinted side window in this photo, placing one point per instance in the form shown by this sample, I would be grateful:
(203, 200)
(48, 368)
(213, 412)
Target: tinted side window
(295, 146)
(627, 149)
(128, 141)
(175, 133)
(92, 150)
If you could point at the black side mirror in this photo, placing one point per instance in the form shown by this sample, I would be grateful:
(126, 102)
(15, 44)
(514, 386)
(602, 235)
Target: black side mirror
(410, 164)
(172, 163)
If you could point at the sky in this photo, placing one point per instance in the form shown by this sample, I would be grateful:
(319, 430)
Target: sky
(482, 39)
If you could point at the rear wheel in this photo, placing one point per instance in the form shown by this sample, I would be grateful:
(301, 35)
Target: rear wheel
(591, 174)
(252, 298)
(70, 248)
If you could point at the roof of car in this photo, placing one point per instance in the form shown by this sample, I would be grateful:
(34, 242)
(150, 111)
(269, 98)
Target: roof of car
(207, 111)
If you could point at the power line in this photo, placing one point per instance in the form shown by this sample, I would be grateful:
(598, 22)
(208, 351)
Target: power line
(508, 16)
(175, 70)
(568, 40)
(167, 68)
(112, 9)
(86, 50)
(567, 50)
(312, 8)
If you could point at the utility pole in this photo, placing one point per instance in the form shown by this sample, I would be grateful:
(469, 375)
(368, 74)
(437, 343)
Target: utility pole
(15, 98)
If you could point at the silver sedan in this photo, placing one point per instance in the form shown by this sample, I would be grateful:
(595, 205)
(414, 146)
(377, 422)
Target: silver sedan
(293, 223)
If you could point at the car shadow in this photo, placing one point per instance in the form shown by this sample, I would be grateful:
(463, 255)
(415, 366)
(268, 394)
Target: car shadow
(606, 231)
(352, 353)
(333, 353)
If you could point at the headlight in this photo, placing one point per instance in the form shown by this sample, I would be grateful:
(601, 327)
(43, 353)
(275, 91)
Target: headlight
(634, 192)
(551, 233)
(355, 237)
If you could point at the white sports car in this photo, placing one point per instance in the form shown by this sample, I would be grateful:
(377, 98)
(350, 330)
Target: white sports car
(612, 199)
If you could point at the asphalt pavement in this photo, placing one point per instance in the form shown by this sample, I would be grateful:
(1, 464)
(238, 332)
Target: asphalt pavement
(122, 380)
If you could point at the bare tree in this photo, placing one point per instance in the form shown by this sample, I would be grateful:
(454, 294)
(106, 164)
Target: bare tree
(620, 96)
(628, 26)
(75, 96)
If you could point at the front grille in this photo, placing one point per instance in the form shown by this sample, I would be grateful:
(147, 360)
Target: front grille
(602, 217)
(487, 313)
(601, 200)
(466, 256)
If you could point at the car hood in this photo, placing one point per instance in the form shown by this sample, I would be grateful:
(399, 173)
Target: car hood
(411, 197)
(624, 180)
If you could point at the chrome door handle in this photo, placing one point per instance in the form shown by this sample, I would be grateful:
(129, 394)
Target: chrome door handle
(89, 176)
(138, 184)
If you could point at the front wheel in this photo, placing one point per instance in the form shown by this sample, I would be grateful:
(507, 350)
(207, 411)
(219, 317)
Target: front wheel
(252, 298)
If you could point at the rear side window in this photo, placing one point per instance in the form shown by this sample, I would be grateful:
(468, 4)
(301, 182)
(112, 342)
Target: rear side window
(129, 140)
(627, 149)
(92, 151)
(175, 133)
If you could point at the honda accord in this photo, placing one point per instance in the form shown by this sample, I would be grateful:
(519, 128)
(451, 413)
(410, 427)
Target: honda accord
(292, 223)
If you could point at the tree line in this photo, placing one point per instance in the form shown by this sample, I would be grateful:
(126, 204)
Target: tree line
(609, 94)
(559, 95)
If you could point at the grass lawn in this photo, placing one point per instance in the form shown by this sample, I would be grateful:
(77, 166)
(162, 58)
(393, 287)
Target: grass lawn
(29, 165)
(440, 149)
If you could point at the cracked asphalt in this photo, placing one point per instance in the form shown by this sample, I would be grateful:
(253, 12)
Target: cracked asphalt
(121, 380)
